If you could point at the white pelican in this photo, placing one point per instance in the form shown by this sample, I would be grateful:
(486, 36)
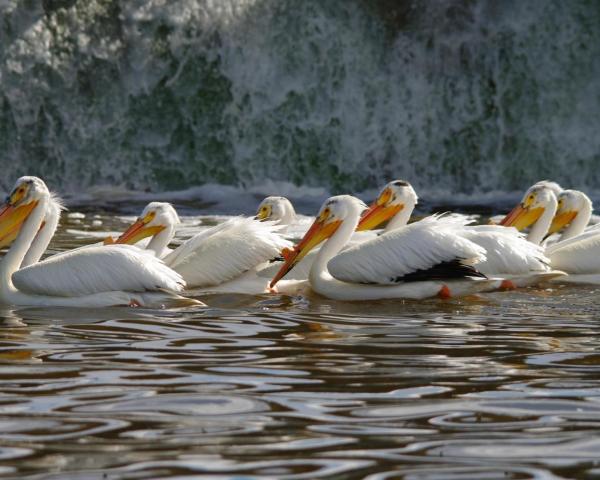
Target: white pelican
(395, 204)
(573, 213)
(422, 260)
(91, 277)
(557, 190)
(555, 187)
(277, 209)
(281, 211)
(574, 196)
(508, 254)
(578, 254)
(226, 257)
(158, 222)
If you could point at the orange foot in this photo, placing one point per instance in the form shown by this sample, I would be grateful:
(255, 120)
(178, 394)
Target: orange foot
(507, 285)
(444, 292)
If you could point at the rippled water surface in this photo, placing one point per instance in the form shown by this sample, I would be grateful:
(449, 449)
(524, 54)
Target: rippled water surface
(503, 385)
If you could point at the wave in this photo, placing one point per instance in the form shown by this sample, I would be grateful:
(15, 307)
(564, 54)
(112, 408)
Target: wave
(217, 199)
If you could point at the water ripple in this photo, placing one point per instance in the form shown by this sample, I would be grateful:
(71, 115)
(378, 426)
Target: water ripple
(504, 385)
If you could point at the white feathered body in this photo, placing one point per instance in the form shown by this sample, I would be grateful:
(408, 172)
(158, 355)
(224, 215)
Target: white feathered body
(86, 277)
(226, 251)
(415, 247)
(578, 255)
(93, 270)
(508, 252)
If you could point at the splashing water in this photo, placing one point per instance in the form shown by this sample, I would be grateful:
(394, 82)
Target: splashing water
(460, 96)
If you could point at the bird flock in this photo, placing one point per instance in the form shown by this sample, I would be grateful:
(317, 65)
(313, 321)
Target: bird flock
(344, 254)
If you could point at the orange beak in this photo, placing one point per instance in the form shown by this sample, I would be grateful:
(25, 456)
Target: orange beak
(11, 221)
(318, 232)
(560, 220)
(136, 232)
(510, 216)
(376, 215)
(521, 217)
(9, 238)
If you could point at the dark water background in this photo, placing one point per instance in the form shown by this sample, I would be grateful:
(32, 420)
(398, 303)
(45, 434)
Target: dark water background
(504, 385)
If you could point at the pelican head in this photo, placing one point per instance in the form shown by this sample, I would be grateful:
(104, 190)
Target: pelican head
(555, 187)
(156, 217)
(393, 198)
(278, 209)
(570, 203)
(332, 214)
(535, 201)
(24, 197)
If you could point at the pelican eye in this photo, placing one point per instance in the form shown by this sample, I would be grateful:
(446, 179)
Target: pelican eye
(325, 214)
(264, 212)
(17, 194)
(530, 200)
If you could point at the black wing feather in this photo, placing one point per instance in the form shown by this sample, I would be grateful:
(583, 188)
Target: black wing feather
(442, 271)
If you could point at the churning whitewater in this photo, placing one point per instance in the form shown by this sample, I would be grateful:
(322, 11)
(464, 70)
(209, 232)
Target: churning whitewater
(468, 96)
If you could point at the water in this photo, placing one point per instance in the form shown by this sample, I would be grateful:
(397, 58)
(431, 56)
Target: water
(459, 96)
(504, 385)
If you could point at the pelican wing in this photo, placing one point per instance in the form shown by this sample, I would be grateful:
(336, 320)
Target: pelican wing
(421, 250)
(226, 251)
(579, 255)
(91, 270)
(594, 219)
(589, 233)
(507, 251)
